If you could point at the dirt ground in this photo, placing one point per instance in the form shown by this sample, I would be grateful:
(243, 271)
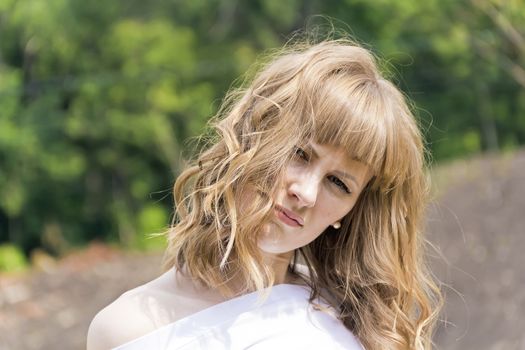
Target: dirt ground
(476, 227)
(52, 309)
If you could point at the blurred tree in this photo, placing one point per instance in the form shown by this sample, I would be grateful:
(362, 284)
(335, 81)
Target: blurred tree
(97, 100)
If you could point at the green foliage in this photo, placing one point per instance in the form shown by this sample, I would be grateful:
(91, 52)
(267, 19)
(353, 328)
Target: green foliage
(12, 259)
(152, 223)
(98, 100)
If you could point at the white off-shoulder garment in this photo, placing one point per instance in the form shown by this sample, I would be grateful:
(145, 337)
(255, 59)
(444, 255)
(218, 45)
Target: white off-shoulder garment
(285, 320)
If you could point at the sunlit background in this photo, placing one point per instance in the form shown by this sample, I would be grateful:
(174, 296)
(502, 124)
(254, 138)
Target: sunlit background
(100, 102)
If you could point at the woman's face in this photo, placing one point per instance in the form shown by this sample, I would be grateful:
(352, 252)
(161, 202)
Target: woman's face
(320, 186)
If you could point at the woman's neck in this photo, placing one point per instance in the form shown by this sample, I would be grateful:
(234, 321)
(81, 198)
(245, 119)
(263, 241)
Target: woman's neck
(279, 263)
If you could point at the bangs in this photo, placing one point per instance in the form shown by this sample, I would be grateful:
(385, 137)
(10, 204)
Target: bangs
(351, 117)
(339, 99)
(360, 115)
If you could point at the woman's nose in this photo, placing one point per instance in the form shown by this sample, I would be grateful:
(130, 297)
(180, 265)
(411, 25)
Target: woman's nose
(304, 189)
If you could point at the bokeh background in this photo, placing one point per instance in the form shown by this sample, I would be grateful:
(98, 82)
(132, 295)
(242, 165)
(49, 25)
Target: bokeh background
(100, 103)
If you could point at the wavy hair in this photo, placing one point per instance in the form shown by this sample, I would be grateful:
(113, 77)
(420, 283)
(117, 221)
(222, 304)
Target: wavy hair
(373, 267)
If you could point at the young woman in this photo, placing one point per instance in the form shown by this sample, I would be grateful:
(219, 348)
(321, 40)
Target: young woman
(299, 226)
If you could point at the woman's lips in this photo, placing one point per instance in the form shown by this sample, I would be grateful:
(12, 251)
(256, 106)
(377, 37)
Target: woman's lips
(289, 217)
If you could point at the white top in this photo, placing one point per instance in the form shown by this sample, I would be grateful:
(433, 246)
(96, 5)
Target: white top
(284, 320)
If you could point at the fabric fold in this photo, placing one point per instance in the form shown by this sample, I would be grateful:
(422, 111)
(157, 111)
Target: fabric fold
(284, 320)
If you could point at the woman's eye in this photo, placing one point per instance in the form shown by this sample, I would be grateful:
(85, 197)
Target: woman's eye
(299, 152)
(336, 181)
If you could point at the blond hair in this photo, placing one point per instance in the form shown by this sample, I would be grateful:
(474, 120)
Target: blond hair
(372, 267)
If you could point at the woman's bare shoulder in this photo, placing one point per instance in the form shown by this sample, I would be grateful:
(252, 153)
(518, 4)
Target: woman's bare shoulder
(123, 320)
(142, 310)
